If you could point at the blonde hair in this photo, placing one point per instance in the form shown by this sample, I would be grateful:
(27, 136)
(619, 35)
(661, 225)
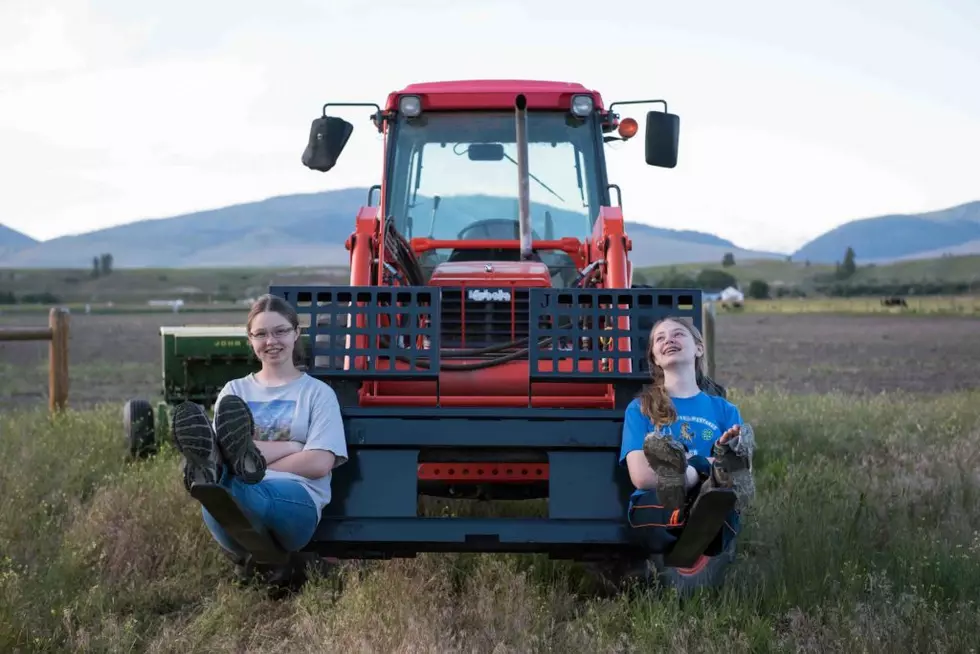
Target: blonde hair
(654, 401)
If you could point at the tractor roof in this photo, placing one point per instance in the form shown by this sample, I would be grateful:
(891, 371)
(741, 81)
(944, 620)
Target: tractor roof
(493, 94)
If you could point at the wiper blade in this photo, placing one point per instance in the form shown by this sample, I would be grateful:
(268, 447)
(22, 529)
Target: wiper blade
(531, 175)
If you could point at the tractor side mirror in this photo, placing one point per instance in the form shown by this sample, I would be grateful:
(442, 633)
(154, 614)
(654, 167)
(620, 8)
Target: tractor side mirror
(328, 136)
(662, 134)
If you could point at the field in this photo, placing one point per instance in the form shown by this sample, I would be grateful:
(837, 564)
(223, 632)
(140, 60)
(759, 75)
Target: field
(865, 535)
(136, 287)
(964, 268)
(931, 305)
(114, 357)
(224, 287)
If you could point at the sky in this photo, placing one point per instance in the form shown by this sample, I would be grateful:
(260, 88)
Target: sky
(794, 118)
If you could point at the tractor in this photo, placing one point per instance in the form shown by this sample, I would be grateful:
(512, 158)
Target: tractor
(490, 337)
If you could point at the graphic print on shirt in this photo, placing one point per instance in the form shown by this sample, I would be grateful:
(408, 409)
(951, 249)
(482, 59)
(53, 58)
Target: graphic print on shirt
(273, 419)
(709, 430)
(686, 433)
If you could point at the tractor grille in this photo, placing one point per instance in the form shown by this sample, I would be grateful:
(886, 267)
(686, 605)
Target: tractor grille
(476, 317)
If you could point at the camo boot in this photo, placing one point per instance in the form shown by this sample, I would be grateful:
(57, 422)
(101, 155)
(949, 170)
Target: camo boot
(194, 439)
(668, 459)
(733, 466)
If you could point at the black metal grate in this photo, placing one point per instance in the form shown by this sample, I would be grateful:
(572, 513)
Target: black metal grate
(397, 337)
(574, 334)
(475, 317)
(589, 334)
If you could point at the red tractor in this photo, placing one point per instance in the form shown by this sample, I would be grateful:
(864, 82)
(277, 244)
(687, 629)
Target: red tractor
(490, 337)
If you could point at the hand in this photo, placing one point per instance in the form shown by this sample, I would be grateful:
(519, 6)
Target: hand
(732, 434)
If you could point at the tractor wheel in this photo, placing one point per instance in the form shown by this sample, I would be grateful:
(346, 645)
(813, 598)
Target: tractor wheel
(708, 572)
(139, 428)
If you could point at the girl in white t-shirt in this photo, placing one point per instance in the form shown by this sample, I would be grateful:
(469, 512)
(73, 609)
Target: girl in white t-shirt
(276, 437)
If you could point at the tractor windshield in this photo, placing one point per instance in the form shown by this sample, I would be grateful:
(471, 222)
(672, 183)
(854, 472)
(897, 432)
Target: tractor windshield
(454, 176)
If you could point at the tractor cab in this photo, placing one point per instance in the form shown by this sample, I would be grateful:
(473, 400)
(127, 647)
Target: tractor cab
(453, 191)
(478, 172)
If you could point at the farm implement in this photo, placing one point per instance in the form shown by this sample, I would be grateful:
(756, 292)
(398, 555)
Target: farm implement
(486, 346)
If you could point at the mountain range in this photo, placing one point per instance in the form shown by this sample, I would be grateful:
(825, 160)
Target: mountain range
(896, 237)
(12, 241)
(310, 229)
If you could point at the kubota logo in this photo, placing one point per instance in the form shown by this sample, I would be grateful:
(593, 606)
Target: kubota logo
(486, 295)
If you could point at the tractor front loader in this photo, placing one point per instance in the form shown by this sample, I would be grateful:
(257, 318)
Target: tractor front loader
(490, 337)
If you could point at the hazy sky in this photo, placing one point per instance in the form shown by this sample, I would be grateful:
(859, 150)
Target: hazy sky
(794, 117)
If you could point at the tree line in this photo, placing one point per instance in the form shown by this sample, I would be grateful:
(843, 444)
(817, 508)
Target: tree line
(840, 282)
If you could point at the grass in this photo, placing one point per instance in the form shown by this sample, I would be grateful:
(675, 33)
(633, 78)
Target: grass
(865, 536)
(790, 273)
(964, 268)
(932, 305)
(136, 287)
(123, 309)
(89, 383)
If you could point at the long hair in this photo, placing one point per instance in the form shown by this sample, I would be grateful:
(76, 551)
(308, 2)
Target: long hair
(654, 401)
(276, 304)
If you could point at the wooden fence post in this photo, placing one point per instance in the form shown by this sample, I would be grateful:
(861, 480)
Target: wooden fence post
(56, 333)
(58, 323)
(708, 322)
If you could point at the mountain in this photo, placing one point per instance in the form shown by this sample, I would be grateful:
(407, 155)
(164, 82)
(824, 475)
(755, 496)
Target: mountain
(657, 246)
(12, 241)
(310, 229)
(896, 237)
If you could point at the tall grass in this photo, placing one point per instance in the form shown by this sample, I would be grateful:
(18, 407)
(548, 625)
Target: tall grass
(865, 536)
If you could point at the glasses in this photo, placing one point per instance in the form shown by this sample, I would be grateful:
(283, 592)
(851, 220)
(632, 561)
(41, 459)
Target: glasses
(278, 333)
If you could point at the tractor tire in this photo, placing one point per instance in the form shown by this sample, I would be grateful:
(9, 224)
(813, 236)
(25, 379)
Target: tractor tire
(139, 429)
(708, 572)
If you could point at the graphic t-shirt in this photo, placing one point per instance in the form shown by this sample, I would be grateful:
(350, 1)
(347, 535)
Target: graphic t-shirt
(701, 420)
(305, 410)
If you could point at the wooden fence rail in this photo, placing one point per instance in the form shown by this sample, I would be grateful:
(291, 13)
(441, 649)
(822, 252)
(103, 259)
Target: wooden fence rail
(56, 333)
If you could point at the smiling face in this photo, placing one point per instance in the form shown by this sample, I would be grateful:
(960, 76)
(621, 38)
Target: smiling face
(673, 344)
(273, 338)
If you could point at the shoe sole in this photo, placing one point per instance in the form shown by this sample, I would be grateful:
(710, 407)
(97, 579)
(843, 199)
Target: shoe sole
(668, 460)
(235, 426)
(735, 471)
(194, 439)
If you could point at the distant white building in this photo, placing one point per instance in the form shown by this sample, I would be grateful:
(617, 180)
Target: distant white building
(732, 296)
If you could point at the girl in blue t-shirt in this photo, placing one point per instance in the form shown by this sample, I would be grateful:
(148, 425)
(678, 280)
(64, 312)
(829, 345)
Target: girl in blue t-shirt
(676, 436)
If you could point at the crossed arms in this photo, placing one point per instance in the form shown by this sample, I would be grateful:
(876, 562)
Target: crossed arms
(289, 456)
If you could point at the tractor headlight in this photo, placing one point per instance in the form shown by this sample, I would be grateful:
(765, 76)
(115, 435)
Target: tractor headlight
(410, 105)
(582, 105)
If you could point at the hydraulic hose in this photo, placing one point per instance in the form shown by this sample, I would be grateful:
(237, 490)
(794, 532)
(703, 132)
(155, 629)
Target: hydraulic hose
(407, 262)
(402, 253)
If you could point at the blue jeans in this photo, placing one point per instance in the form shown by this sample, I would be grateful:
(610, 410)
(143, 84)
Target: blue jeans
(281, 505)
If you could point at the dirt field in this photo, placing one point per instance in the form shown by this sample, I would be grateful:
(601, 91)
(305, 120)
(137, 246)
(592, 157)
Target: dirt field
(115, 357)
